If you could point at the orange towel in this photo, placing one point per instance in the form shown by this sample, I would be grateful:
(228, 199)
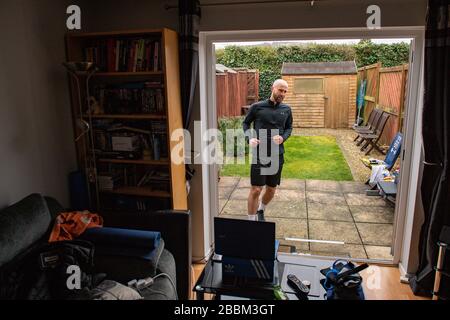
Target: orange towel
(69, 225)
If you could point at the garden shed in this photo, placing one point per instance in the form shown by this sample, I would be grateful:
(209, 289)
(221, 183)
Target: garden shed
(321, 94)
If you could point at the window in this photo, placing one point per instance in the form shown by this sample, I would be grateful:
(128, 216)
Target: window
(308, 85)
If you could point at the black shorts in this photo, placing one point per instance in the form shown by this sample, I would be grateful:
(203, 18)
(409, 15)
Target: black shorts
(258, 179)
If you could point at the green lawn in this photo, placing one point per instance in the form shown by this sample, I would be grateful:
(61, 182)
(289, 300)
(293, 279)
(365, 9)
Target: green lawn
(306, 157)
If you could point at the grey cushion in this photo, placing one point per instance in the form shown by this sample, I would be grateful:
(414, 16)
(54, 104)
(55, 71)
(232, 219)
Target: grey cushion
(21, 225)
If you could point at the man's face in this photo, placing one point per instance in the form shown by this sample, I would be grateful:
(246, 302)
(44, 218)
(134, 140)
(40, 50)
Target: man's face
(279, 92)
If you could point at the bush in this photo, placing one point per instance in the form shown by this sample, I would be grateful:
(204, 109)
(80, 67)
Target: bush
(231, 123)
(269, 59)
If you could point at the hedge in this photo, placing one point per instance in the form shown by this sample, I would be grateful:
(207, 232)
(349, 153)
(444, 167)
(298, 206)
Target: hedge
(269, 59)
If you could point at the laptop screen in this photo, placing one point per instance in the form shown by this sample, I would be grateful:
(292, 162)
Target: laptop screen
(244, 238)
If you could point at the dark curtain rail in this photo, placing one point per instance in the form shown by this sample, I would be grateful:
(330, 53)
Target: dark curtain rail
(217, 4)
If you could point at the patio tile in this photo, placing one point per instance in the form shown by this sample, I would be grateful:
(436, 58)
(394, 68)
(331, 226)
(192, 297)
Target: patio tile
(222, 203)
(320, 211)
(286, 209)
(375, 233)
(326, 198)
(289, 195)
(323, 185)
(295, 184)
(235, 207)
(299, 245)
(372, 214)
(334, 231)
(355, 199)
(233, 217)
(337, 250)
(244, 183)
(378, 252)
(240, 194)
(353, 187)
(228, 181)
(293, 228)
(225, 192)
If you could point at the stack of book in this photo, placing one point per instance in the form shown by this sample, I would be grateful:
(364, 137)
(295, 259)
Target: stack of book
(125, 55)
(108, 182)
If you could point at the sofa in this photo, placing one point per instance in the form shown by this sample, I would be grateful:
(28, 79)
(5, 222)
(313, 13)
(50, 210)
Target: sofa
(26, 225)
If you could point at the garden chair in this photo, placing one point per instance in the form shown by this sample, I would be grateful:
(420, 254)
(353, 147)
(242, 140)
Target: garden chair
(372, 138)
(371, 125)
(391, 156)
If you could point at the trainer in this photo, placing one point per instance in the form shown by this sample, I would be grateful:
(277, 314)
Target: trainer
(268, 117)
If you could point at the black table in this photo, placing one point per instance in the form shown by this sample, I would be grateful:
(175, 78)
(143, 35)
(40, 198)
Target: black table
(305, 268)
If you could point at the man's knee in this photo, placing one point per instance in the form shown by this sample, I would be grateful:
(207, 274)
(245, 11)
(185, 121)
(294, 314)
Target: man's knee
(255, 191)
(271, 190)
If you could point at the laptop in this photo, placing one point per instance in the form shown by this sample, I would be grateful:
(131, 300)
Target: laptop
(244, 238)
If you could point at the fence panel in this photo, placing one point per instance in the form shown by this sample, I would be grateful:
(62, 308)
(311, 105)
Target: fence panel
(385, 90)
(234, 91)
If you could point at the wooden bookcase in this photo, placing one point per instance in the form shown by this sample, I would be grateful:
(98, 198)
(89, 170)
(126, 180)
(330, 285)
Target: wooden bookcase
(136, 85)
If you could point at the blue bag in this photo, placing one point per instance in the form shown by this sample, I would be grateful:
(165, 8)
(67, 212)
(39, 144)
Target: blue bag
(342, 281)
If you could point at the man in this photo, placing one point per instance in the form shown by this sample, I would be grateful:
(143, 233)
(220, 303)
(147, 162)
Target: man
(272, 124)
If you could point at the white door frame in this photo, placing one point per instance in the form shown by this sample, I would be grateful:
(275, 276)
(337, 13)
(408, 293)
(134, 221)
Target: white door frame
(412, 139)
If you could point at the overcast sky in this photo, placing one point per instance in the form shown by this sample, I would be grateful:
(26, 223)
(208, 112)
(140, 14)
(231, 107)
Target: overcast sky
(337, 41)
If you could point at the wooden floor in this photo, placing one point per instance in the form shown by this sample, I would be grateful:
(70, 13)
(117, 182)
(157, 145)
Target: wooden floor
(383, 285)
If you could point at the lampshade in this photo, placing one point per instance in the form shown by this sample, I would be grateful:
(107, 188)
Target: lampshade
(79, 67)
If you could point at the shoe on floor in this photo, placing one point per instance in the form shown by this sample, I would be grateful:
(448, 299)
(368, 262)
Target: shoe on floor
(260, 214)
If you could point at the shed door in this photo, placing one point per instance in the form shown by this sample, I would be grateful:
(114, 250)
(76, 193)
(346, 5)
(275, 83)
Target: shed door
(336, 102)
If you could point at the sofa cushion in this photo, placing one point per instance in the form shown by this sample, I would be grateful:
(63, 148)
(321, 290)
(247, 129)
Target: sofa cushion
(21, 224)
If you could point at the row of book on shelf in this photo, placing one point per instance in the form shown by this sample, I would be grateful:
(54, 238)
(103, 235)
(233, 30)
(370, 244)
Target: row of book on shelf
(122, 140)
(118, 176)
(130, 98)
(125, 55)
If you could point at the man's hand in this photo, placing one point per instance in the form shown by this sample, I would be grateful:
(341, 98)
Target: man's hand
(253, 142)
(278, 139)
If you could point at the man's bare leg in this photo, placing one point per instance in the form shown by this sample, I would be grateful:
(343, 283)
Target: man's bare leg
(253, 199)
(268, 195)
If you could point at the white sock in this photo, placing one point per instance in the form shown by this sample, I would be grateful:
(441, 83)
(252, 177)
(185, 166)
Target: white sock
(252, 217)
(262, 206)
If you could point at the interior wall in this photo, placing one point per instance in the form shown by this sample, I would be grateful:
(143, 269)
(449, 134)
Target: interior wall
(104, 15)
(323, 14)
(36, 141)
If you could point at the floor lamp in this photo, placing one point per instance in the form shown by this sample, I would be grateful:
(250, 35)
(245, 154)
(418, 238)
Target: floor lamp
(83, 71)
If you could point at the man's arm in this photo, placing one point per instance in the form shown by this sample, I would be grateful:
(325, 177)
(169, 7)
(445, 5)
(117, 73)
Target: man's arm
(249, 118)
(287, 127)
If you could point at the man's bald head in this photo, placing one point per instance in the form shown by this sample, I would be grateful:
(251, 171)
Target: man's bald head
(279, 89)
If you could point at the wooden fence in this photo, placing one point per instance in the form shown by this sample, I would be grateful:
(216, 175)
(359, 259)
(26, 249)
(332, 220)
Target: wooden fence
(235, 90)
(385, 90)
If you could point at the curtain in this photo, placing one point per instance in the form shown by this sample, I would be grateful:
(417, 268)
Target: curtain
(189, 12)
(189, 19)
(436, 138)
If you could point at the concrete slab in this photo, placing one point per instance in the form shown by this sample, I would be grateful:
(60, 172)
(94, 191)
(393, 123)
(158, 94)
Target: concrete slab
(320, 211)
(355, 199)
(235, 207)
(286, 209)
(323, 185)
(378, 252)
(244, 183)
(295, 184)
(240, 194)
(292, 228)
(334, 231)
(375, 233)
(372, 214)
(289, 195)
(353, 187)
(222, 203)
(225, 192)
(326, 198)
(346, 250)
(228, 181)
